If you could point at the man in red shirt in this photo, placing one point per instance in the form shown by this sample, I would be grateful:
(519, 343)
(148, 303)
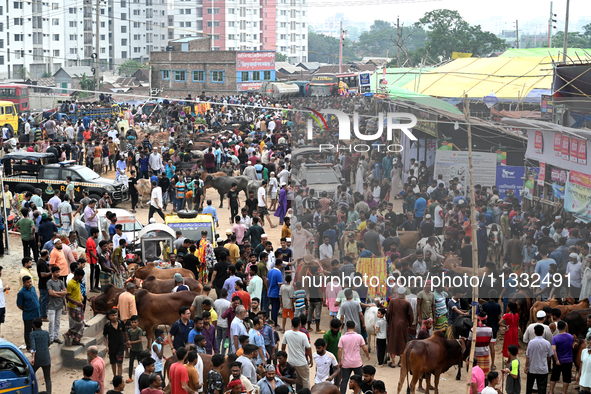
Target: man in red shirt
(179, 376)
(92, 259)
(209, 160)
(244, 295)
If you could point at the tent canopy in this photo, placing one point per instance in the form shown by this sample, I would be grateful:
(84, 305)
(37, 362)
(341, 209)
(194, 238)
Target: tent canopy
(509, 78)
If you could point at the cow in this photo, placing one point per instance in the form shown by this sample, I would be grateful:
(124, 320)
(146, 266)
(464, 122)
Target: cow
(107, 300)
(564, 309)
(207, 366)
(162, 286)
(409, 239)
(152, 269)
(204, 174)
(438, 243)
(370, 317)
(461, 329)
(325, 388)
(223, 185)
(253, 186)
(144, 190)
(156, 309)
(495, 240)
(451, 263)
(434, 355)
(576, 322)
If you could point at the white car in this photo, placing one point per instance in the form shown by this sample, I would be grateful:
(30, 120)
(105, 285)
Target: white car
(131, 226)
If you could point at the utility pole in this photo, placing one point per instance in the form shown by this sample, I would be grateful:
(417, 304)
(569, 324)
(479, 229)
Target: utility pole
(565, 32)
(550, 25)
(212, 21)
(474, 223)
(341, 49)
(397, 42)
(517, 33)
(97, 29)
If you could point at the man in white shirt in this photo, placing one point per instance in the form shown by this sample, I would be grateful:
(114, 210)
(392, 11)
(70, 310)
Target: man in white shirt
(155, 201)
(70, 133)
(325, 250)
(262, 205)
(156, 161)
(298, 346)
(438, 220)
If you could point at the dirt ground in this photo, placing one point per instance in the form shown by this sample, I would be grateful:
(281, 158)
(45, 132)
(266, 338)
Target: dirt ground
(13, 329)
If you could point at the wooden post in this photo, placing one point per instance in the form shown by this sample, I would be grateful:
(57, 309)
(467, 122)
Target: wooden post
(474, 224)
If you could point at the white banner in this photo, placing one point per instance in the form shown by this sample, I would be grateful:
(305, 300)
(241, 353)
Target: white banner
(453, 164)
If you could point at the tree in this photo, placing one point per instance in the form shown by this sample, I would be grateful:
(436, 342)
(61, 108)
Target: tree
(575, 39)
(448, 32)
(281, 57)
(325, 49)
(378, 40)
(129, 67)
(86, 83)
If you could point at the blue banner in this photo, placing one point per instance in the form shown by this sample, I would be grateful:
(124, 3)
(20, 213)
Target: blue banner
(364, 79)
(510, 178)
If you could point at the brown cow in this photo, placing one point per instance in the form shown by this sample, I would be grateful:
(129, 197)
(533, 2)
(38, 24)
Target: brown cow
(156, 309)
(152, 269)
(409, 239)
(325, 388)
(453, 264)
(162, 286)
(108, 300)
(207, 366)
(564, 309)
(434, 355)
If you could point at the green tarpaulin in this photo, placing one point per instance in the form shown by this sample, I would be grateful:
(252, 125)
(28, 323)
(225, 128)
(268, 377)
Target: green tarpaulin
(555, 53)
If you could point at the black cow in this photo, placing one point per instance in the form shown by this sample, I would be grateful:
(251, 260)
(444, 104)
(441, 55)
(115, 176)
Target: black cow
(223, 185)
(577, 322)
(461, 329)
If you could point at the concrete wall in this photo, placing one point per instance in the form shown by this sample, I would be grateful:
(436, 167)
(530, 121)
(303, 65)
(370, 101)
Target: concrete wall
(37, 102)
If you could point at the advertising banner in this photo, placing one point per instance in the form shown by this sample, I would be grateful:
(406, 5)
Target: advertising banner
(558, 175)
(565, 148)
(542, 176)
(249, 86)
(574, 149)
(510, 178)
(452, 164)
(364, 79)
(255, 61)
(558, 144)
(583, 152)
(577, 195)
(539, 142)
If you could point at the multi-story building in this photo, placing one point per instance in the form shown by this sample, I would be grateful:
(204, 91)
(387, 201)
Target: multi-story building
(37, 38)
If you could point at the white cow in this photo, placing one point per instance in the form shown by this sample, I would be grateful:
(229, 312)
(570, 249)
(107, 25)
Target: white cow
(371, 317)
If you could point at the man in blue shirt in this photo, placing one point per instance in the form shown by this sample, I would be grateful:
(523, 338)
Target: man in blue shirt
(542, 268)
(27, 301)
(211, 210)
(419, 211)
(144, 169)
(86, 385)
(231, 282)
(178, 335)
(275, 280)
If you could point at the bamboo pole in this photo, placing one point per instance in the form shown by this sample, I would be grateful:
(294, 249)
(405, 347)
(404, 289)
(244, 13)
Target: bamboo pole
(474, 224)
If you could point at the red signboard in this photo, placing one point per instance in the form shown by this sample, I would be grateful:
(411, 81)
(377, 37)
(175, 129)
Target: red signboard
(583, 152)
(580, 179)
(558, 175)
(565, 148)
(539, 142)
(542, 176)
(243, 86)
(574, 150)
(255, 61)
(558, 144)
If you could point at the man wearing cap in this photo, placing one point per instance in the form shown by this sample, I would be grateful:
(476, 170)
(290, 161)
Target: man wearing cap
(427, 226)
(269, 382)
(529, 331)
(179, 284)
(573, 270)
(399, 317)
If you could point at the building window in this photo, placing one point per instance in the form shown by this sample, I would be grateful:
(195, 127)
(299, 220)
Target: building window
(103, 50)
(55, 21)
(19, 37)
(231, 37)
(123, 29)
(72, 10)
(56, 37)
(123, 17)
(123, 54)
(18, 21)
(55, 6)
(73, 51)
(267, 75)
(136, 25)
(231, 24)
(215, 24)
(215, 11)
(166, 75)
(188, 11)
(231, 10)
(18, 5)
(198, 76)
(244, 76)
(1, 59)
(123, 41)
(256, 76)
(217, 76)
(136, 12)
(180, 76)
(56, 52)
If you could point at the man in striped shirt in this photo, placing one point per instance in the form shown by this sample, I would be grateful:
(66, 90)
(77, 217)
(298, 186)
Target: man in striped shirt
(484, 335)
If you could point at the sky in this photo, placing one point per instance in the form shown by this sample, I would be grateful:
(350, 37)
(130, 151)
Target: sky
(473, 11)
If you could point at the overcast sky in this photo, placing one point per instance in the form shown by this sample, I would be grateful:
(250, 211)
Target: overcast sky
(474, 11)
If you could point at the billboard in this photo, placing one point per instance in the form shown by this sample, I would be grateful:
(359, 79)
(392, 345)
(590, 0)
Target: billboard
(452, 164)
(510, 178)
(255, 61)
(244, 86)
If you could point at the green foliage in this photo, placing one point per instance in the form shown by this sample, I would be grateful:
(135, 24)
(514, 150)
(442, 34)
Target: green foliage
(129, 67)
(86, 83)
(325, 49)
(575, 39)
(448, 32)
(281, 57)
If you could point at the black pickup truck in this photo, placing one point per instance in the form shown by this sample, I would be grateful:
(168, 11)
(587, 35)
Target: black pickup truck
(26, 171)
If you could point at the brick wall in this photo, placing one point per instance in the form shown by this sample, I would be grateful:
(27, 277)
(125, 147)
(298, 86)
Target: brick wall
(206, 61)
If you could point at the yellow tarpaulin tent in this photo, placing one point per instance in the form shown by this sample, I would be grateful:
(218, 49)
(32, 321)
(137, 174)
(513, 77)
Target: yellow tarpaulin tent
(506, 77)
(459, 55)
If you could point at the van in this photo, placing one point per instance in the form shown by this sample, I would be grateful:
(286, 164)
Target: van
(8, 116)
(16, 372)
(191, 224)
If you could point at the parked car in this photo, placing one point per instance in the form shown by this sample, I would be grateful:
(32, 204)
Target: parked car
(131, 226)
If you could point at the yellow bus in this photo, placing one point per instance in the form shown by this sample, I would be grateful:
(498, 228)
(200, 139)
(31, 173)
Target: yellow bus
(9, 116)
(191, 224)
